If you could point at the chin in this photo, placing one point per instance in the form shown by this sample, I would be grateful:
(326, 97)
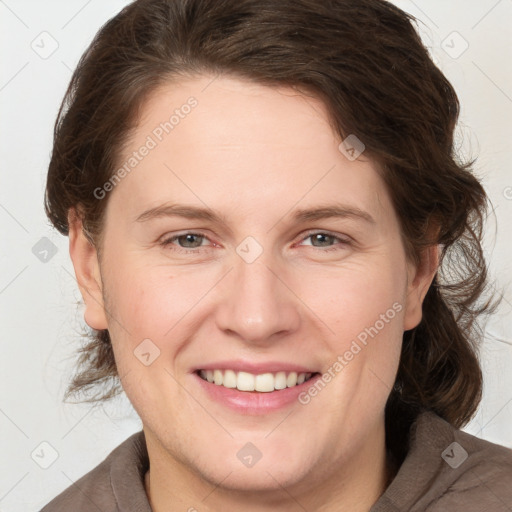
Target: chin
(271, 475)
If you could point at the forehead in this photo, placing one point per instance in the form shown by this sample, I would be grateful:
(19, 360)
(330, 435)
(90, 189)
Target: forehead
(232, 142)
(229, 111)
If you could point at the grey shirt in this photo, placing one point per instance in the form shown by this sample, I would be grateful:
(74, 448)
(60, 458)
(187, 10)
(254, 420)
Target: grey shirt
(445, 470)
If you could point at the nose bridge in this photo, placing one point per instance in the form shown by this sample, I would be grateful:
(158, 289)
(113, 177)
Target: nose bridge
(256, 305)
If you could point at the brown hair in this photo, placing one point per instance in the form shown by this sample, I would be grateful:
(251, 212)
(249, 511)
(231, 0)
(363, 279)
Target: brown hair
(365, 60)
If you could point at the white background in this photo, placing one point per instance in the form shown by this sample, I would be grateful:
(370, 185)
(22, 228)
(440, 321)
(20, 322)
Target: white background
(39, 317)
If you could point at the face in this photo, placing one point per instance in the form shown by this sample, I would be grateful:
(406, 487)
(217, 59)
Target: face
(245, 247)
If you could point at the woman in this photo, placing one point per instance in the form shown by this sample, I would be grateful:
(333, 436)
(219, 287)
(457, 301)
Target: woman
(280, 258)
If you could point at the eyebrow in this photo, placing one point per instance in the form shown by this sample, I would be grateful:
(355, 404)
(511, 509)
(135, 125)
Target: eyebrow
(206, 214)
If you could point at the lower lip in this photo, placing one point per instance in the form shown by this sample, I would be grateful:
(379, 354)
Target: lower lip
(254, 402)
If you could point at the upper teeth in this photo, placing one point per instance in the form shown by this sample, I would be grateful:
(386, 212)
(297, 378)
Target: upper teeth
(244, 381)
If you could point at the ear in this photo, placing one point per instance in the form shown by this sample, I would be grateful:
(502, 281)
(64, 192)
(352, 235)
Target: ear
(87, 270)
(420, 278)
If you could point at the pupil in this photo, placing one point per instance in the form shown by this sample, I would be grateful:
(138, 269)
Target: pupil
(319, 236)
(190, 238)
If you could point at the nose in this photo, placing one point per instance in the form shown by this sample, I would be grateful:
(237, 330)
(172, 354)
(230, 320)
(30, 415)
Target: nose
(256, 304)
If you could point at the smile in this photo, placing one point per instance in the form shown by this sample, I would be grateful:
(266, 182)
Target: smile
(263, 382)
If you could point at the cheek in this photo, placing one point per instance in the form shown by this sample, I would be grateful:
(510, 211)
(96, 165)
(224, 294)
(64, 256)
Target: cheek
(146, 307)
(356, 297)
(151, 301)
(363, 308)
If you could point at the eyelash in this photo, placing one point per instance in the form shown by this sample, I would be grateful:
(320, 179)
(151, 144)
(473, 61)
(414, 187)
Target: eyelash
(169, 241)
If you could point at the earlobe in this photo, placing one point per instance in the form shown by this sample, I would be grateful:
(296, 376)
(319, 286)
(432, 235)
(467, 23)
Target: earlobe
(87, 271)
(420, 279)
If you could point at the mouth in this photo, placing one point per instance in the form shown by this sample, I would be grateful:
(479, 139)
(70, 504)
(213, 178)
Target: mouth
(257, 383)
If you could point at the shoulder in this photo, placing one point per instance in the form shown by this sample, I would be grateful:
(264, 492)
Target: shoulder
(476, 472)
(112, 484)
(448, 469)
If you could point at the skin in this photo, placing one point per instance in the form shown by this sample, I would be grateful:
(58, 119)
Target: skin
(255, 155)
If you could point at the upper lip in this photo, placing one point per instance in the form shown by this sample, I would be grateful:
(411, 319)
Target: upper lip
(240, 365)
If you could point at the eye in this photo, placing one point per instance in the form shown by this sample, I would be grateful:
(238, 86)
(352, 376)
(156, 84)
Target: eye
(325, 240)
(185, 241)
(190, 242)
